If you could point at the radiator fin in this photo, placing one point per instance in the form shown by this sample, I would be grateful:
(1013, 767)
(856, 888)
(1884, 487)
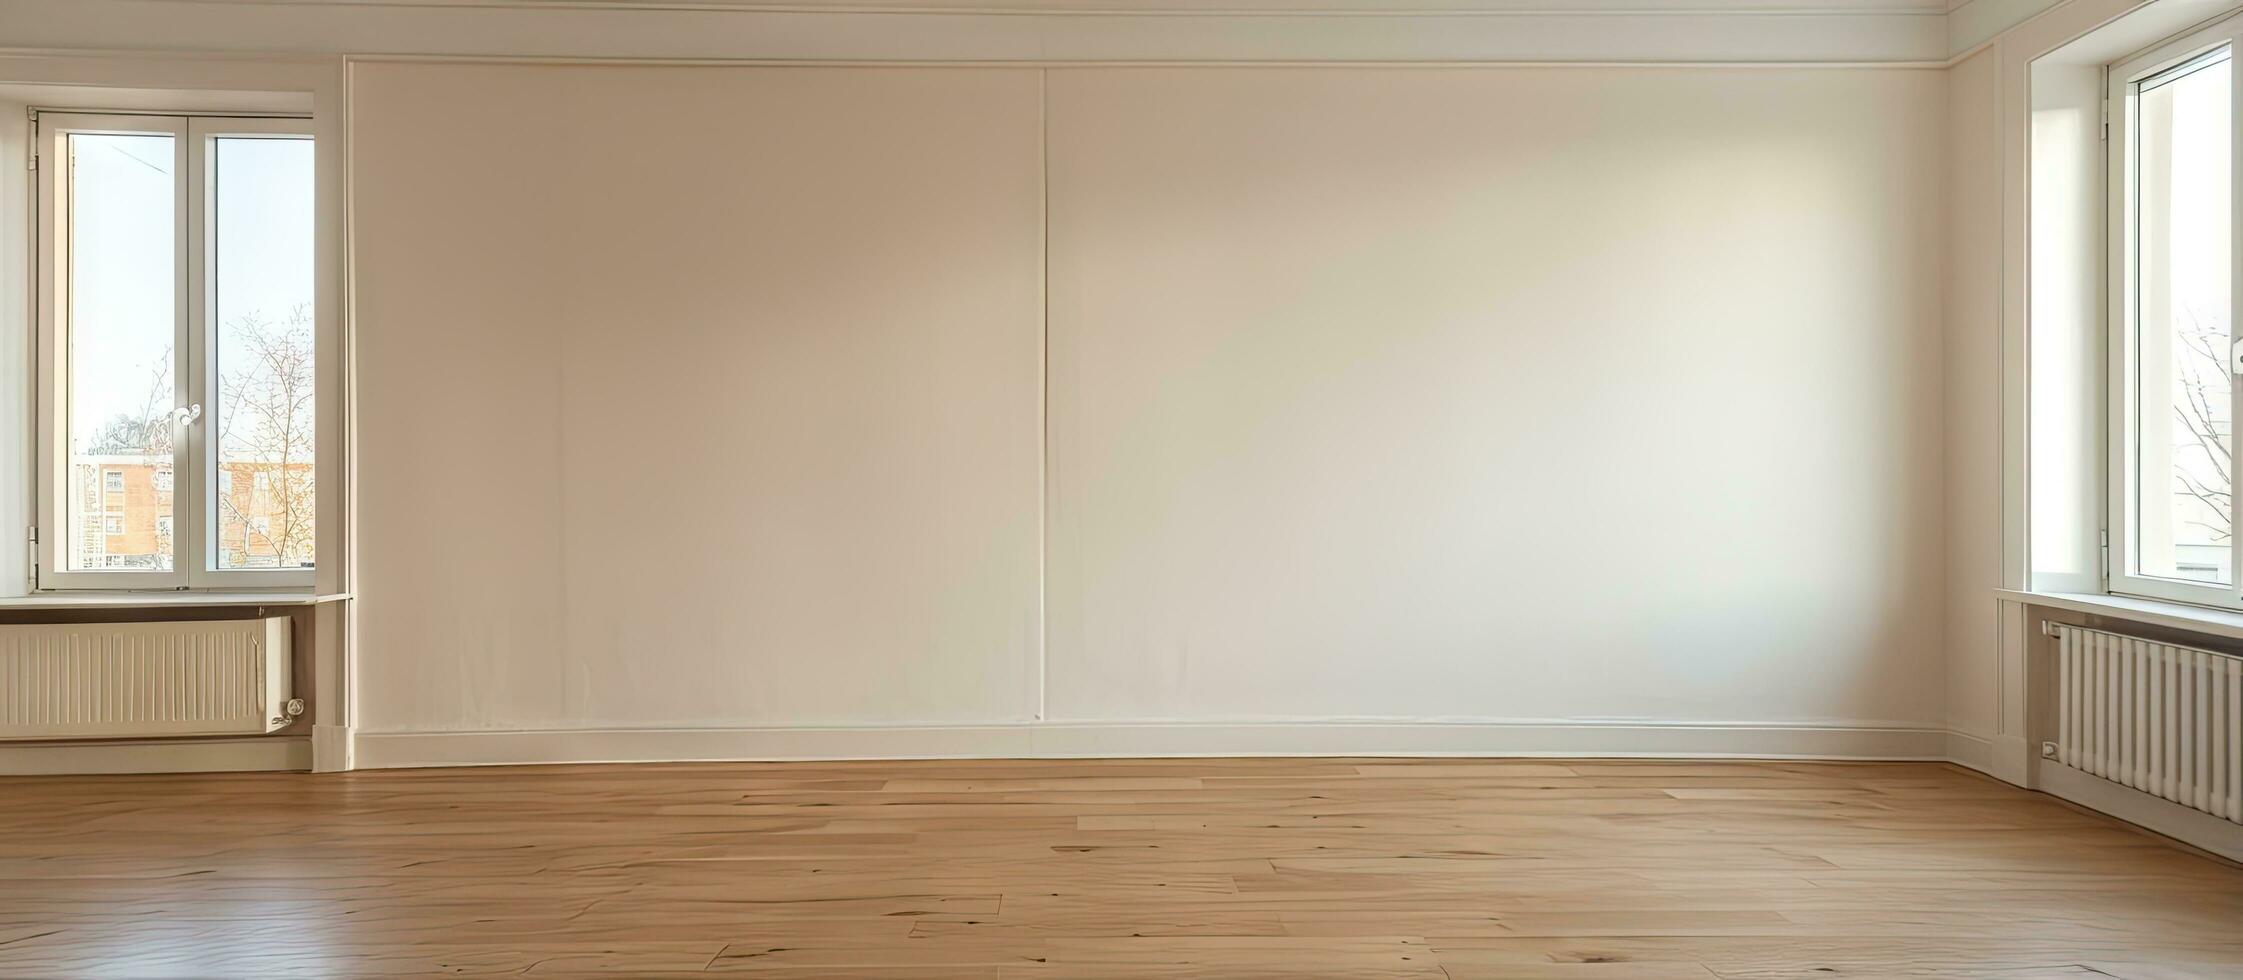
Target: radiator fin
(142, 679)
(2156, 717)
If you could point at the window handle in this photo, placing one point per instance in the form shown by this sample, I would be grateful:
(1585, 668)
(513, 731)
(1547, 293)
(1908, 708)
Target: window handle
(187, 414)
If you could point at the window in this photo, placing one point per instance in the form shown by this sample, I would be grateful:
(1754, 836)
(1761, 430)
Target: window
(2173, 296)
(176, 336)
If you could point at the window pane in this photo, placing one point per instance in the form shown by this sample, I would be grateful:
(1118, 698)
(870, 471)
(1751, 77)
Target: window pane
(262, 319)
(122, 321)
(2186, 432)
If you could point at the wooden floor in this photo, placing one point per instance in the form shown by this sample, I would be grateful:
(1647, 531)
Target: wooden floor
(1198, 868)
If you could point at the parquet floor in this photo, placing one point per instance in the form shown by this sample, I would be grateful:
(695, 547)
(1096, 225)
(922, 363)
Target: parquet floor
(1176, 868)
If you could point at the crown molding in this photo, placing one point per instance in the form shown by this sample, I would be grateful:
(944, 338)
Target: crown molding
(1971, 23)
(1176, 8)
(1898, 33)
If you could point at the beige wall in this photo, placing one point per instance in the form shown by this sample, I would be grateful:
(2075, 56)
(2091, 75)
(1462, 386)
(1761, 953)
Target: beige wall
(735, 373)
(1425, 394)
(1496, 394)
(1974, 395)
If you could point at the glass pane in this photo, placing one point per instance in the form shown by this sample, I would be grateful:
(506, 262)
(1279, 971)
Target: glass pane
(2186, 432)
(262, 318)
(122, 322)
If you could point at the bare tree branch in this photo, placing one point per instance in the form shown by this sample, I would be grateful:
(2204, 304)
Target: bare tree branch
(267, 440)
(2205, 390)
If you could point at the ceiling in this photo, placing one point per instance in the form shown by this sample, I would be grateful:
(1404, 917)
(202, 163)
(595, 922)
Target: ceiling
(1877, 32)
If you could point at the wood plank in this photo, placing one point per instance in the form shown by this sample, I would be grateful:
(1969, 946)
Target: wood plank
(1169, 868)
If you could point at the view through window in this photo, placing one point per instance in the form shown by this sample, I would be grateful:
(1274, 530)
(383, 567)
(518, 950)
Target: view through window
(123, 380)
(262, 278)
(2185, 434)
(185, 330)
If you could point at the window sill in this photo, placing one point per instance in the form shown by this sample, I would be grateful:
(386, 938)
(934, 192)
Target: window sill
(163, 600)
(2155, 612)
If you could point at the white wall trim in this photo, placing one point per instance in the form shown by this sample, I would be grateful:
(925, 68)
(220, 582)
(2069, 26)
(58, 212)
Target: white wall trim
(379, 750)
(1970, 751)
(270, 754)
(333, 748)
(1535, 31)
(1973, 23)
(1186, 8)
(2143, 810)
(2004, 757)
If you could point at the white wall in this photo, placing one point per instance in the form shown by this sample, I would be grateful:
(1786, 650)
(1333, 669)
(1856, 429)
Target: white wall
(1974, 395)
(1424, 394)
(696, 397)
(1496, 394)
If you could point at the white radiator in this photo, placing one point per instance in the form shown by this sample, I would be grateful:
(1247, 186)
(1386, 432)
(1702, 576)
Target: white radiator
(2163, 719)
(137, 680)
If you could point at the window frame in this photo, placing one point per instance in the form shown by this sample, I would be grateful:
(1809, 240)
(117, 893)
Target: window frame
(2123, 87)
(194, 512)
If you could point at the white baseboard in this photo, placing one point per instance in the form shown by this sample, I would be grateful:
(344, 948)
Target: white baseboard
(2004, 757)
(267, 754)
(2181, 823)
(381, 750)
(332, 748)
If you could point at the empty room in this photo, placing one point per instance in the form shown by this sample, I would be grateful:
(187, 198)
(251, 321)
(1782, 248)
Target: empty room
(1120, 488)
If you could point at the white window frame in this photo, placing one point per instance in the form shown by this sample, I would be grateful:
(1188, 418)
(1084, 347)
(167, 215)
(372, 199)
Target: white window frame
(195, 516)
(2125, 80)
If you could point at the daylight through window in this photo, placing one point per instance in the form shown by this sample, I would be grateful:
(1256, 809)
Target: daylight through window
(177, 340)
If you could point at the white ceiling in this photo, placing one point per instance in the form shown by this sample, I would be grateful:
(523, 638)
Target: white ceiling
(1898, 32)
